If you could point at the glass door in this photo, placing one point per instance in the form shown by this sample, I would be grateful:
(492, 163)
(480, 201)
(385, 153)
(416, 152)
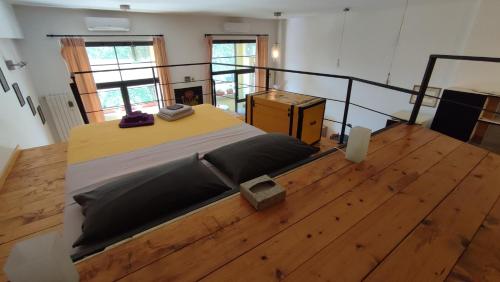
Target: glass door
(245, 86)
(225, 91)
(232, 84)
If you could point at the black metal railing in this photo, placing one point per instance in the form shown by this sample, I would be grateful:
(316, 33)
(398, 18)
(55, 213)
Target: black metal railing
(350, 82)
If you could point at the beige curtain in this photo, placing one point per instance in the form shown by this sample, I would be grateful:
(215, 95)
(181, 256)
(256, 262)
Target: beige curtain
(163, 73)
(74, 53)
(262, 55)
(208, 85)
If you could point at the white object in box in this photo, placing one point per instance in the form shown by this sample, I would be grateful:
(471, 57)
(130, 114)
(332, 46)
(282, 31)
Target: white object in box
(43, 259)
(357, 144)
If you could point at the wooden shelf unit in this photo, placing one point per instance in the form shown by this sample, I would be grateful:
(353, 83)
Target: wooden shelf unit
(455, 119)
(486, 119)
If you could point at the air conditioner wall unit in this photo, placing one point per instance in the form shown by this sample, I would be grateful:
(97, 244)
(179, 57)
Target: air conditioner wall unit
(236, 27)
(107, 24)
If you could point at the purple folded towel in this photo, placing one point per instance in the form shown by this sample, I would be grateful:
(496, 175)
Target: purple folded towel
(135, 119)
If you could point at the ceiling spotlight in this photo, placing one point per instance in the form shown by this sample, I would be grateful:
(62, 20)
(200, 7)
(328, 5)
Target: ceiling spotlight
(124, 7)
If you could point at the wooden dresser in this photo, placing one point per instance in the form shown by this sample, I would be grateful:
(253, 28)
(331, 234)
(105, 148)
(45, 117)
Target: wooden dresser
(297, 115)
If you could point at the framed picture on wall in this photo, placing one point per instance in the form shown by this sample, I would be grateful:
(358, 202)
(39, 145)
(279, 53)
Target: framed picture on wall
(19, 95)
(428, 101)
(3, 81)
(40, 113)
(32, 107)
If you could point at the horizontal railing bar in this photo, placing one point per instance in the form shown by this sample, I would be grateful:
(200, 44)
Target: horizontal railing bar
(284, 70)
(135, 104)
(126, 83)
(139, 82)
(237, 71)
(348, 125)
(378, 112)
(281, 90)
(467, 58)
(396, 88)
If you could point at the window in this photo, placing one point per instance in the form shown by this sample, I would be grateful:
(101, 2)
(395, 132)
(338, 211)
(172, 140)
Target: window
(232, 84)
(122, 90)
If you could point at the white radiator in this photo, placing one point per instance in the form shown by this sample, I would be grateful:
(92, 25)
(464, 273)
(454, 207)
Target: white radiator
(65, 113)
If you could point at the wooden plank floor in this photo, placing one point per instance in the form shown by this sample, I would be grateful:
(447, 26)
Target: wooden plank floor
(422, 207)
(32, 199)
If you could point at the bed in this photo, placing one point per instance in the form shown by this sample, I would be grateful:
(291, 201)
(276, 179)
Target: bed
(100, 153)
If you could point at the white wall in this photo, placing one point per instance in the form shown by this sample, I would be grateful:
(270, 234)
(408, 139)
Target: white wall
(17, 124)
(484, 40)
(312, 43)
(9, 28)
(184, 35)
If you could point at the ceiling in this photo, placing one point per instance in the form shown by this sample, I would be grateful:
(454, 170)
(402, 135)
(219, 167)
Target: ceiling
(238, 8)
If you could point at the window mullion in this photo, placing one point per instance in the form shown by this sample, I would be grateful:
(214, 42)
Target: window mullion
(118, 63)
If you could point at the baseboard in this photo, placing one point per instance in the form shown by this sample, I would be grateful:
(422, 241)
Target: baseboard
(8, 167)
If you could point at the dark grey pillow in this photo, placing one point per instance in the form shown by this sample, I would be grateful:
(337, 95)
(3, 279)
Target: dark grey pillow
(137, 199)
(259, 155)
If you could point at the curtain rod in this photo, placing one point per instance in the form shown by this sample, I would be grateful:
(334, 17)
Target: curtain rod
(101, 35)
(232, 34)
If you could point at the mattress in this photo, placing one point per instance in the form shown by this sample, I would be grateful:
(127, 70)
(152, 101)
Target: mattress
(89, 168)
(94, 141)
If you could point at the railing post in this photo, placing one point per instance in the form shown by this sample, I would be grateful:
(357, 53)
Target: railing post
(156, 89)
(346, 111)
(268, 74)
(423, 88)
(212, 85)
(78, 99)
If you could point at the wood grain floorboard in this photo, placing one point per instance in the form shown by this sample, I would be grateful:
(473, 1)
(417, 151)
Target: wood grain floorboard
(481, 260)
(358, 251)
(446, 232)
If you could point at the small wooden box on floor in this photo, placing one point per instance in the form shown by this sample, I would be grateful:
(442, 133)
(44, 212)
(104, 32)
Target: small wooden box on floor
(297, 115)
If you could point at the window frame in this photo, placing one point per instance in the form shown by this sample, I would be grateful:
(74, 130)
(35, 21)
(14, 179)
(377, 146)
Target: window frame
(124, 84)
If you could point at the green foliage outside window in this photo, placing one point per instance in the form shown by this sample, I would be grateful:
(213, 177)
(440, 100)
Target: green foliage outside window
(101, 55)
(110, 98)
(142, 94)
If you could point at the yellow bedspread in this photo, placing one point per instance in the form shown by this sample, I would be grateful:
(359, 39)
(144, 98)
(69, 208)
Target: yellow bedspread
(93, 141)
